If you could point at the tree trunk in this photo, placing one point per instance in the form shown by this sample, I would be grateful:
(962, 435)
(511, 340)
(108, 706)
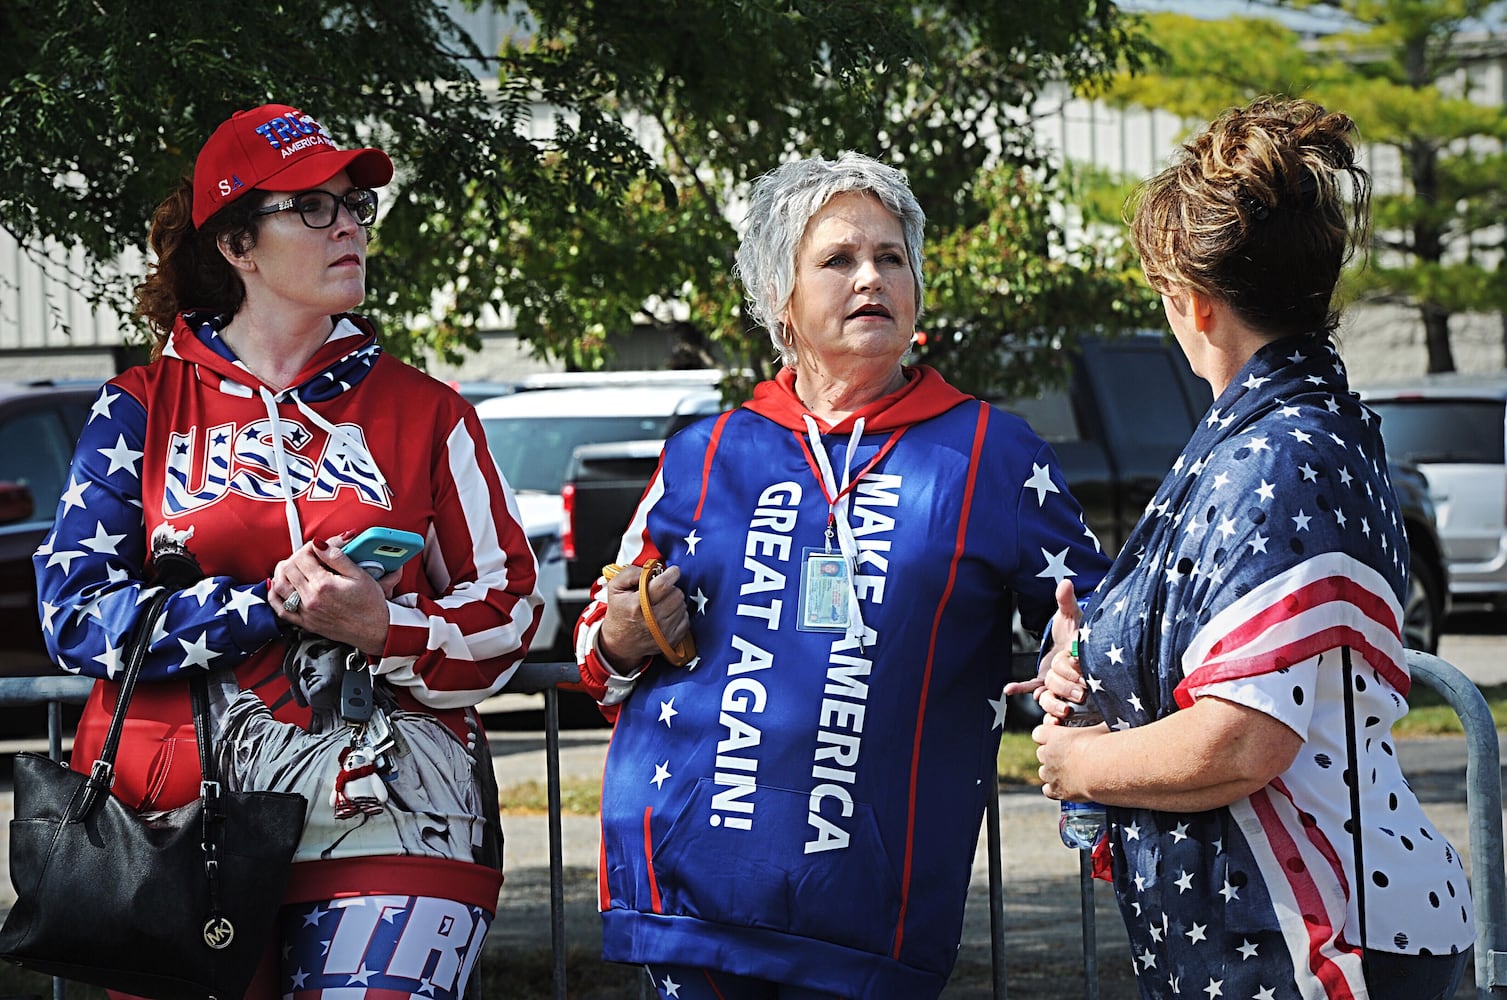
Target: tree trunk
(1436, 338)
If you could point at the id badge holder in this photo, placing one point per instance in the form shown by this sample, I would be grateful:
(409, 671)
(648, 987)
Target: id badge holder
(824, 591)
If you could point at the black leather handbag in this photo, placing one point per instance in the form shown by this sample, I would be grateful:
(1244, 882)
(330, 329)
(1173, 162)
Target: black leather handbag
(177, 905)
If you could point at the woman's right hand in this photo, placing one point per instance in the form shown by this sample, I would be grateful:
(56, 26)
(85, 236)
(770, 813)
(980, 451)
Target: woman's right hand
(625, 639)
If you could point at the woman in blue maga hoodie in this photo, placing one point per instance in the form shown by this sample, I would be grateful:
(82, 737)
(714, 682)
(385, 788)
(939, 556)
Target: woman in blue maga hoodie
(791, 803)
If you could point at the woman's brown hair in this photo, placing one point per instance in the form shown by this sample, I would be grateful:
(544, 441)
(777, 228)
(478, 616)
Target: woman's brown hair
(1252, 211)
(189, 272)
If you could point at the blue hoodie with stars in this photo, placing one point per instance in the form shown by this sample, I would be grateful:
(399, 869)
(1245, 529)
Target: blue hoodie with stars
(801, 803)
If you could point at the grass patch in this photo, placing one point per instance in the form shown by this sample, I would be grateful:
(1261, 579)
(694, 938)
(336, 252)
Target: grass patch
(578, 797)
(1017, 760)
(1430, 715)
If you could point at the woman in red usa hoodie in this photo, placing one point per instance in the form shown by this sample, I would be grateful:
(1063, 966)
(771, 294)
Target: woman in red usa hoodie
(268, 429)
(792, 812)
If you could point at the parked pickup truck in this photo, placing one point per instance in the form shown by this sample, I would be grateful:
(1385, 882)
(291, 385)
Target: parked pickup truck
(1130, 406)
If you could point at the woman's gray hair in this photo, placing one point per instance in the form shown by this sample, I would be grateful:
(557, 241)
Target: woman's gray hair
(780, 206)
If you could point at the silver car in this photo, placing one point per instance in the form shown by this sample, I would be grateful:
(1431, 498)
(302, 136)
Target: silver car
(1454, 428)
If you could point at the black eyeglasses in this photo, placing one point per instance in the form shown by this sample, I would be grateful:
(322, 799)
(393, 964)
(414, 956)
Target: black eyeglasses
(319, 208)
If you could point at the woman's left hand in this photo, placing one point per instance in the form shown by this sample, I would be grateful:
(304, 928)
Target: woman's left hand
(336, 598)
(1057, 749)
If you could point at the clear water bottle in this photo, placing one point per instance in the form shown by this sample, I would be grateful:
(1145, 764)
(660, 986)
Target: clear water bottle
(1082, 824)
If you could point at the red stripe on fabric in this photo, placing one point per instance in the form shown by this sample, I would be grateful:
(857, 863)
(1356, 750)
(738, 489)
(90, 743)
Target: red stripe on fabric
(406, 875)
(1306, 648)
(604, 898)
(1319, 932)
(706, 463)
(649, 862)
(931, 655)
(712, 983)
(1310, 595)
(1316, 837)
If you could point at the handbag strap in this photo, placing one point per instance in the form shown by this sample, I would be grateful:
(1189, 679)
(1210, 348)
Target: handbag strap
(102, 774)
(209, 794)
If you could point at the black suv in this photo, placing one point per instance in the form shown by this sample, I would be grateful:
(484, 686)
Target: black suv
(39, 423)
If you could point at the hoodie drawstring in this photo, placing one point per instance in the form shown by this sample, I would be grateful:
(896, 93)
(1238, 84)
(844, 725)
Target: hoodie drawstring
(348, 449)
(280, 459)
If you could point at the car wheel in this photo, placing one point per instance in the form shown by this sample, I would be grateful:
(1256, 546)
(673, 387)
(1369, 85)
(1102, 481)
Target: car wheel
(1423, 610)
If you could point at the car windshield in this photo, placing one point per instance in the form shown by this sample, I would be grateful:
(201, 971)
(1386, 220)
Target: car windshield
(532, 452)
(1442, 430)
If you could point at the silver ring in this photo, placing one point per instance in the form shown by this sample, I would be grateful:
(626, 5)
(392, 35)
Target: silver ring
(293, 603)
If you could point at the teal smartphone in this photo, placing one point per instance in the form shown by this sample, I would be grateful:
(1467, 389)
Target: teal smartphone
(379, 551)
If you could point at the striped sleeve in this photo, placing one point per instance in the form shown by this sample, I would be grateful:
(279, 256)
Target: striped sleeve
(462, 645)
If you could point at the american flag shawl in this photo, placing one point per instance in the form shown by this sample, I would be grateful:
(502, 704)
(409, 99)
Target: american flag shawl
(1273, 542)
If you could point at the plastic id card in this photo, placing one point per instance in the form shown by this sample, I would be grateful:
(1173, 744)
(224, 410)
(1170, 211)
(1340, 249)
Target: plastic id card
(824, 591)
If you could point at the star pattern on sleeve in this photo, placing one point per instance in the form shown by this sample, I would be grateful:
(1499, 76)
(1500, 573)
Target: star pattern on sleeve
(1041, 482)
(241, 601)
(1056, 566)
(196, 653)
(122, 457)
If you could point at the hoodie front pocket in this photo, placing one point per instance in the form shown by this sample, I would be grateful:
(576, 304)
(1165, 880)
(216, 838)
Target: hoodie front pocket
(830, 879)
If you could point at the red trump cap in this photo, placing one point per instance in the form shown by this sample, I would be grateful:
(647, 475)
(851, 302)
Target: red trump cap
(275, 148)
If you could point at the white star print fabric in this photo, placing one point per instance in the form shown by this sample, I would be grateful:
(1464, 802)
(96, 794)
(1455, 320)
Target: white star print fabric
(1273, 544)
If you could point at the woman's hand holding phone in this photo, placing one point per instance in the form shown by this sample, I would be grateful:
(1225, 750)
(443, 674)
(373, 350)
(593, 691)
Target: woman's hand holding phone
(339, 589)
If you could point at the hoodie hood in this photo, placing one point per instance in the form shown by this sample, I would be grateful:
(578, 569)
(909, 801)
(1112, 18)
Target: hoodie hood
(925, 394)
(341, 363)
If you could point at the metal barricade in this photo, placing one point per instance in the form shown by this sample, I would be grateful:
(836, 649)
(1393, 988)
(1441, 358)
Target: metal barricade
(545, 678)
(1483, 803)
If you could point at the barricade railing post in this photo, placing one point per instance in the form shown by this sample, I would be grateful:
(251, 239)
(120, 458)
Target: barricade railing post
(556, 838)
(1090, 934)
(996, 892)
(545, 678)
(1483, 803)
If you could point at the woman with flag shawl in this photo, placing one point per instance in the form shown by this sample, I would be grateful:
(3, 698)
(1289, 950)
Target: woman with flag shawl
(1245, 650)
